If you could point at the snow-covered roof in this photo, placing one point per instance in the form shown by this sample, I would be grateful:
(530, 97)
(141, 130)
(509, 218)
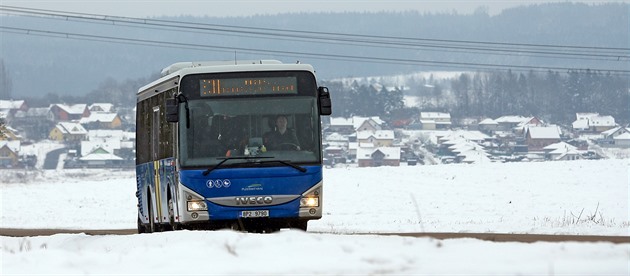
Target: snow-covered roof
(4, 104)
(12, 145)
(71, 128)
(613, 131)
(95, 143)
(625, 136)
(511, 119)
(104, 107)
(580, 124)
(99, 117)
(568, 152)
(73, 109)
(602, 121)
(475, 157)
(544, 132)
(336, 137)
(467, 135)
(488, 121)
(379, 134)
(340, 121)
(106, 133)
(100, 157)
(585, 115)
(559, 145)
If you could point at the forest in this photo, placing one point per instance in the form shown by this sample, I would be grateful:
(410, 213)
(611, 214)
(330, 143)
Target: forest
(551, 96)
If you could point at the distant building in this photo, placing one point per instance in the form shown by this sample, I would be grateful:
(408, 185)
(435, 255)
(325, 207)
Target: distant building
(537, 138)
(593, 122)
(435, 120)
(380, 156)
(101, 120)
(68, 132)
(380, 138)
(67, 113)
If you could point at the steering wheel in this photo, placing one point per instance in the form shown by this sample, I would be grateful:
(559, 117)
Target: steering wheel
(288, 146)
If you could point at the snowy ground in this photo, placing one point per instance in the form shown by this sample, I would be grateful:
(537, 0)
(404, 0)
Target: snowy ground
(577, 197)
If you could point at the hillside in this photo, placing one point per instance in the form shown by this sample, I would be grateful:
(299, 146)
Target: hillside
(65, 64)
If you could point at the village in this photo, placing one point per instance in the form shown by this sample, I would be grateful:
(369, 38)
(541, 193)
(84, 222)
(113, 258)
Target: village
(101, 135)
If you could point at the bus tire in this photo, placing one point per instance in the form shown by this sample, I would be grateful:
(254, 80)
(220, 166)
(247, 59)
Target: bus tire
(141, 228)
(300, 224)
(173, 226)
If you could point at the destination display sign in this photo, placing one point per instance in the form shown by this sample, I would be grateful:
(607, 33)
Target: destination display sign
(248, 86)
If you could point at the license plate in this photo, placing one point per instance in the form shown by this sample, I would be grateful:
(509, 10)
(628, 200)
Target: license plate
(255, 214)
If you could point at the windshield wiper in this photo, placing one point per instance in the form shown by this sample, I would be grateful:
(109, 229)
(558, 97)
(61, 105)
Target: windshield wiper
(285, 162)
(206, 172)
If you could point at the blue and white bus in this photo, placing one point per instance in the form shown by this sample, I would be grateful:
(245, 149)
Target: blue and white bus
(202, 157)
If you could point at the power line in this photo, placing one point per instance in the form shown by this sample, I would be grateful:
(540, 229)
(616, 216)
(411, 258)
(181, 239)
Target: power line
(378, 41)
(402, 61)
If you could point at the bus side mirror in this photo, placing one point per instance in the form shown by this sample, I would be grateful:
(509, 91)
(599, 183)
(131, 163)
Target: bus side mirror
(172, 110)
(325, 104)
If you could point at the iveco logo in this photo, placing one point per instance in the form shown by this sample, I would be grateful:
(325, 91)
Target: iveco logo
(253, 200)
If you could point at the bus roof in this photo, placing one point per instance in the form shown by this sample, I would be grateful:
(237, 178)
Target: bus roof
(182, 69)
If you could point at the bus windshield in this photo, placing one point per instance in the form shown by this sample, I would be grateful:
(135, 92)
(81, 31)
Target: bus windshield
(273, 128)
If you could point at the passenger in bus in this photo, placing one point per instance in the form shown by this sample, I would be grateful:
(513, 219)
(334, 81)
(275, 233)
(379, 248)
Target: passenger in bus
(281, 138)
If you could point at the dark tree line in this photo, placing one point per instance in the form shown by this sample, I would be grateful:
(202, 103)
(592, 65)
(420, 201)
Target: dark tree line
(365, 100)
(551, 96)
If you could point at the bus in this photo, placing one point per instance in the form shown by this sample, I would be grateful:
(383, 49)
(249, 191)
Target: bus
(204, 158)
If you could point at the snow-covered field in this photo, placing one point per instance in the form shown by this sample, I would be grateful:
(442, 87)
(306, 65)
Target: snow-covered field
(577, 197)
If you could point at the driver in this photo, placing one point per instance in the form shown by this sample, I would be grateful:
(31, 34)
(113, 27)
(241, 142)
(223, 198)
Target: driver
(281, 138)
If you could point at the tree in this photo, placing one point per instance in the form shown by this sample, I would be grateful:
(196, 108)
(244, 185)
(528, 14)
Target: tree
(3, 128)
(5, 82)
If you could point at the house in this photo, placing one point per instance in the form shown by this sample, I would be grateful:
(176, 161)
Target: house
(66, 113)
(555, 150)
(101, 107)
(367, 123)
(101, 120)
(9, 151)
(570, 155)
(9, 108)
(68, 132)
(488, 125)
(379, 156)
(341, 125)
(526, 123)
(537, 138)
(100, 157)
(35, 123)
(380, 138)
(435, 120)
(10, 134)
(508, 123)
(616, 136)
(593, 122)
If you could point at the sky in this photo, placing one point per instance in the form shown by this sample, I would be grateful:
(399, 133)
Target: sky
(148, 8)
(561, 197)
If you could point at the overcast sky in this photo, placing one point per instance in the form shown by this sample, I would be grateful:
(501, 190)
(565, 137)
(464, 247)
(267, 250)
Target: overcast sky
(146, 8)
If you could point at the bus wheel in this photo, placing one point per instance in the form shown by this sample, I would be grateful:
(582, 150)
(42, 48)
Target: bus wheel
(171, 215)
(141, 228)
(300, 224)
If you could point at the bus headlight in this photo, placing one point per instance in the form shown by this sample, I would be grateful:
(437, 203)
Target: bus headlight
(197, 205)
(309, 201)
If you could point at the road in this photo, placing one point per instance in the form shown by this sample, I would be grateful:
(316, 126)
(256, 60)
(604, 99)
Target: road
(52, 159)
(496, 237)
